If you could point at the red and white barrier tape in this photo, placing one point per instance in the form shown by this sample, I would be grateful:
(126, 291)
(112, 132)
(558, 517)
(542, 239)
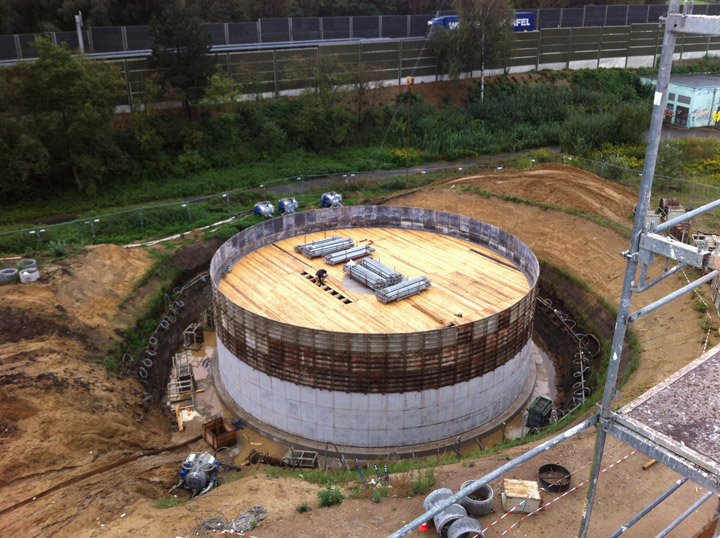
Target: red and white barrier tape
(512, 510)
(563, 495)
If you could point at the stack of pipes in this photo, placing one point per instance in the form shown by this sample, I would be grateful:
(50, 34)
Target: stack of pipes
(392, 277)
(363, 275)
(403, 289)
(349, 254)
(324, 246)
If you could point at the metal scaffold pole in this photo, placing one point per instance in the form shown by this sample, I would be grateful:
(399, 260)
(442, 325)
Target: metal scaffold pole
(621, 322)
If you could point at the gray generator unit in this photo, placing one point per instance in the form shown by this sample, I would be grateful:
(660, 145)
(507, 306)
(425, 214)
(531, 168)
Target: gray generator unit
(331, 199)
(198, 473)
(264, 209)
(287, 205)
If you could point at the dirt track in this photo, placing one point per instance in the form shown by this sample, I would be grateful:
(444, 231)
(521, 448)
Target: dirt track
(62, 416)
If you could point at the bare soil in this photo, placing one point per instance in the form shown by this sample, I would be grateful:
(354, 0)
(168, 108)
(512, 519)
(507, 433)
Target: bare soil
(447, 93)
(61, 416)
(556, 185)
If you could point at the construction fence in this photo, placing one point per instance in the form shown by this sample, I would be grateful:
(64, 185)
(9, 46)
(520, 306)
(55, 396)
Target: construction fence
(235, 206)
(114, 39)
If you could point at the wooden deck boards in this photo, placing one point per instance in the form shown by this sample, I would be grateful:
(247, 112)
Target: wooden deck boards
(471, 284)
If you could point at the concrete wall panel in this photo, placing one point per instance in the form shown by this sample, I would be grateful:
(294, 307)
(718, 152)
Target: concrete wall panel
(373, 420)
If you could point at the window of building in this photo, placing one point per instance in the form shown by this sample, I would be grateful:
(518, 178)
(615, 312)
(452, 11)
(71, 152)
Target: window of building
(683, 99)
(671, 97)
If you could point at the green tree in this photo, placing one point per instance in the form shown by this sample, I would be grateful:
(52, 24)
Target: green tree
(482, 38)
(223, 10)
(366, 91)
(55, 116)
(322, 119)
(181, 52)
(222, 89)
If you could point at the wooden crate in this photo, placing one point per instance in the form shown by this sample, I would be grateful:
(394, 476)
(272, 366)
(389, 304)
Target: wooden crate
(219, 432)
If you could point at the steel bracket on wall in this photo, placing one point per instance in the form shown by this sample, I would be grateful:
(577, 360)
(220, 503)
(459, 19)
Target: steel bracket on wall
(651, 244)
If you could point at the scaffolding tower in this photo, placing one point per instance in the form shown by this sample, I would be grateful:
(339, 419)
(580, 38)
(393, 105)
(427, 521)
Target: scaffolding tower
(695, 460)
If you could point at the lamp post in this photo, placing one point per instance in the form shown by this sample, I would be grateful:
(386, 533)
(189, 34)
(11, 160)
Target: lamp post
(78, 26)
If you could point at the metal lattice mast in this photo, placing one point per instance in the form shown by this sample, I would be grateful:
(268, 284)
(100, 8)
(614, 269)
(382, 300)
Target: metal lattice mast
(675, 23)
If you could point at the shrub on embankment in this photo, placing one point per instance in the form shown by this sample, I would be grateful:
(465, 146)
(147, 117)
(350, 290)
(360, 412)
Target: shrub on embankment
(155, 153)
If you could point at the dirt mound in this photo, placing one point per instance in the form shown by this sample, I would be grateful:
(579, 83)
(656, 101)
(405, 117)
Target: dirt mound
(59, 409)
(61, 415)
(95, 290)
(556, 185)
(65, 413)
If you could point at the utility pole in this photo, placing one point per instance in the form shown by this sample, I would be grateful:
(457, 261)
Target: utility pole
(78, 26)
(410, 81)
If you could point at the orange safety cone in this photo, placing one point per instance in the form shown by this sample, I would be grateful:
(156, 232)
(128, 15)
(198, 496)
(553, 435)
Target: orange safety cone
(423, 527)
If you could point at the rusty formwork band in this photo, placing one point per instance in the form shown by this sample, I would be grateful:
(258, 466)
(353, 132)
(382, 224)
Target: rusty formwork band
(374, 363)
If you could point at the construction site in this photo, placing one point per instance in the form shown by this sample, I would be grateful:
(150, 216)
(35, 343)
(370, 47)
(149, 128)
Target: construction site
(74, 308)
(478, 330)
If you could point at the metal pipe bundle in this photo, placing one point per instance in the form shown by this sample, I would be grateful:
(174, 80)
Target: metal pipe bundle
(365, 276)
(403, 289)
(298, 248)
(349, 254)
(324, 246)
(393, 277)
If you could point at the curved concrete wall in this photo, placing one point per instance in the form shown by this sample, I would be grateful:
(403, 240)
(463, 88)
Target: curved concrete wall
(370, 390)
(373, 420)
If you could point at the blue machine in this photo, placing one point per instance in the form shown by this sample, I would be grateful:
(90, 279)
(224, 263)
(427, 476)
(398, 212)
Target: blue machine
(331, 199)
(264, 209)
(524, 21)
(198, 473)
(287, 205)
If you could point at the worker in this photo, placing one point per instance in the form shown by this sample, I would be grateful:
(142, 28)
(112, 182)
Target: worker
(321, 275)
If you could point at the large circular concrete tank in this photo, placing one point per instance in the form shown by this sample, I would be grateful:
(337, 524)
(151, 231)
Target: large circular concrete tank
(331, 363)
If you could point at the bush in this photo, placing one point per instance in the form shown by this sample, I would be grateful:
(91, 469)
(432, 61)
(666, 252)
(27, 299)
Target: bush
(330, 496)
(378, 493)
(669, 159)
(58, 248)
(303, 507)
(618, 164)
(422, 481)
